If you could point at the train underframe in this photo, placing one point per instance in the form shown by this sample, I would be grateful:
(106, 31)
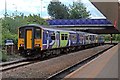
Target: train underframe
(56, 51)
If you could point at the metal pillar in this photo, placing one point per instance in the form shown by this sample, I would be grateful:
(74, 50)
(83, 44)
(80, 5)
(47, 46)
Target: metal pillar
(5, 9)
(111, 38)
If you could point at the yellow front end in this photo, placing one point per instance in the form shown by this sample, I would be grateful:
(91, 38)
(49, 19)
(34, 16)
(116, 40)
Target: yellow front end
(20, 38)
(20, 43)
(38, 43)
(29, 40)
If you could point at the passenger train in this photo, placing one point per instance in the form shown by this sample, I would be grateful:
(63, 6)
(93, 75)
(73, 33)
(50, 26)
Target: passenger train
(36, 38)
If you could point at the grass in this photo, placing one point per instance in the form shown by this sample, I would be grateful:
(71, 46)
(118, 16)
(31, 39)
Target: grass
(4, 56)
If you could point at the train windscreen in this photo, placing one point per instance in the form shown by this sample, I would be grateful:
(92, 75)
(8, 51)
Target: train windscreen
(21, 33)
(37, 33)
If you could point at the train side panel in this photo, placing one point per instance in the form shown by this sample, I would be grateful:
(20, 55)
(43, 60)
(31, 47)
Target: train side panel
(51, 39)
(73, 39)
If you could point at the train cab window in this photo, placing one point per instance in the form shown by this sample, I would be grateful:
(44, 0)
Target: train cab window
(53, 36)
(37, 33)
(21, 33)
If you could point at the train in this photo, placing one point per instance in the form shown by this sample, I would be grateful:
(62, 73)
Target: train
(38, 39)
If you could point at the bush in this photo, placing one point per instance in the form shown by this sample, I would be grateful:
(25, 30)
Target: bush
(3, 56)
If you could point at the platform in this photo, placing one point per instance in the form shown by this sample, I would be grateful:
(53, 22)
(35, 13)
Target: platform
(104, 66)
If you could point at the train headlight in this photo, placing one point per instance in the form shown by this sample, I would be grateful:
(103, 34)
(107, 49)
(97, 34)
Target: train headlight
(21, 45)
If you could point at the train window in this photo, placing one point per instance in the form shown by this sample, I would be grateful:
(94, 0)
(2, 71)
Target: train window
(94, 38)
(37, 34)
(81, 37)
(73, 37)
(21, 33)
(62, 36)
(53, 36)
(66, 37)
(90, 37)
(87, 37)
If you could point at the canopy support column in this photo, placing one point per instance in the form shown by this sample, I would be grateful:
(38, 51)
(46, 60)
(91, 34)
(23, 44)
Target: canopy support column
(111, 38)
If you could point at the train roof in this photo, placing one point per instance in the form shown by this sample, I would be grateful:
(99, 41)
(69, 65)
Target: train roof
(46, 28)
(53, 29)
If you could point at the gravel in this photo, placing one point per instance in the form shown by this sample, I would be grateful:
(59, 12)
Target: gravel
(44, 69)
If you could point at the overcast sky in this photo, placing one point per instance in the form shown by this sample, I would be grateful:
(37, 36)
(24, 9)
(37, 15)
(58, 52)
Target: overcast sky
(40, 6)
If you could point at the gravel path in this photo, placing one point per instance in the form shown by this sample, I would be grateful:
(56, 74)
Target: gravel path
(46, 68)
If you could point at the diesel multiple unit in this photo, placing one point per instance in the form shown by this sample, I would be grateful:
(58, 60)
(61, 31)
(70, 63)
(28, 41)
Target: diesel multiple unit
(33, 38)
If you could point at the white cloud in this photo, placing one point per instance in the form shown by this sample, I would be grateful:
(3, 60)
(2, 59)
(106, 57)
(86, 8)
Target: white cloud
(32, 6)
(29, 6)
(36, 6)
(95, 13)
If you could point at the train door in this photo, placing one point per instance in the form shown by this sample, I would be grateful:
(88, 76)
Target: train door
(48, 37)
(29, 38)
(87, 39)
(57, 39)
(84, 39)
(81, 39)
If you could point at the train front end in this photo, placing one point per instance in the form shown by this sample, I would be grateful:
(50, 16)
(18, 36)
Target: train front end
(29, 40)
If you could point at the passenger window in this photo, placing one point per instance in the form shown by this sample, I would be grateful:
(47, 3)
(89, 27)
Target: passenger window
(53, 36)
(90, 37)
(21, 33)
(73, 37)
(81, 37)
(62, 36)
(87, 37)
(37, 34)
(66, 37)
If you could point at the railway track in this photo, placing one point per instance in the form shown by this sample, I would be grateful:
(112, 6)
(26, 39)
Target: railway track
(40, 70)
(15, 64)
(22, 62)
(12, 62)
(61, 74)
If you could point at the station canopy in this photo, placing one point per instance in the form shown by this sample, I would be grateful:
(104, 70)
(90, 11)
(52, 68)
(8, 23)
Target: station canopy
(98, 26)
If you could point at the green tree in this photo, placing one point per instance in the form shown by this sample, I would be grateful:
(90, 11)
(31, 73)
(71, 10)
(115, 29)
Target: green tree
(78, 10)
(35, 19)
(115, 37)
(57, 10)
(0, 31)
(10, 25)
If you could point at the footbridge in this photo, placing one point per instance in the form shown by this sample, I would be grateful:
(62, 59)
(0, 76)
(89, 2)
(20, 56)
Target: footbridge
(97, 26)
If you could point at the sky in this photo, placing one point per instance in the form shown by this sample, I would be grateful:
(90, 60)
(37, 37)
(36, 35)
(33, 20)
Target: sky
(40, 7)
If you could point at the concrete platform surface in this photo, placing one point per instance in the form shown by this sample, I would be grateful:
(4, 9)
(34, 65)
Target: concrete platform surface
(104, 66)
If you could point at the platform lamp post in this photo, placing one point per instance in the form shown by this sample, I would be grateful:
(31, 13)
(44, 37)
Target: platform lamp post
(5, 9)
(111, 38)
(15, 9)
(41, 9)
